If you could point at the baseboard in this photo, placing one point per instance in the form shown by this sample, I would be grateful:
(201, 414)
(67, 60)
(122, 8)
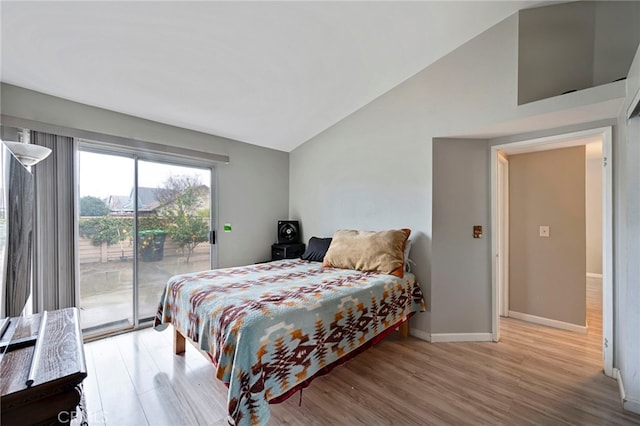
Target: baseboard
(549, 322)
(627, 404)
(451, 337)
(461, 337)
(422, 335)
(592, 275)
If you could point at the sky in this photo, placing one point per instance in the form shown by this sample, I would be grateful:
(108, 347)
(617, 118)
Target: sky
(101, 175)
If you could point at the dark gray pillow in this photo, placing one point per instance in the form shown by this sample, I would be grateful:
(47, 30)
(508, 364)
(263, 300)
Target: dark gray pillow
(316, 249)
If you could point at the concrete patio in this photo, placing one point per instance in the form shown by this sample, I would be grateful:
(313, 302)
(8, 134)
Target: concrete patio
(106, 288)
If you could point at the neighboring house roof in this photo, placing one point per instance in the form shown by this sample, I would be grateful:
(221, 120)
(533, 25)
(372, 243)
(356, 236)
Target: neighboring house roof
(147, 201)
(116, 203)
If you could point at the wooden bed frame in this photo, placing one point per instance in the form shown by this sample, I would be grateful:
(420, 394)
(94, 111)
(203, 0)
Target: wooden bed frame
(179, 340)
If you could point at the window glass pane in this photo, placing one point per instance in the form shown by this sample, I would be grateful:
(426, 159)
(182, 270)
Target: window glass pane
(173, 227)
(105, 245)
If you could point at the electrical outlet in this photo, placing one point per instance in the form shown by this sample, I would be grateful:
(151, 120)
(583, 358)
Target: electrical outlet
(544, 231)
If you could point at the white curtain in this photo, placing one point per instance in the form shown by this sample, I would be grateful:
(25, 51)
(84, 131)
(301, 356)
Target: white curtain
(54, 275)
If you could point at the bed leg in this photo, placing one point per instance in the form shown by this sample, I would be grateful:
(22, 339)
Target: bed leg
(178, 342)
(404, 329)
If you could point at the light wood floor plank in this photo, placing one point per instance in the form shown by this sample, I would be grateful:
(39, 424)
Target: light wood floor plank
(194, 383)
(118, 396)
(93, 403)
(164, 406)
(535, 376)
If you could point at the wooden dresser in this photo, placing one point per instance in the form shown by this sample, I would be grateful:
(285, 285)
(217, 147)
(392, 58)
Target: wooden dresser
(57, 372)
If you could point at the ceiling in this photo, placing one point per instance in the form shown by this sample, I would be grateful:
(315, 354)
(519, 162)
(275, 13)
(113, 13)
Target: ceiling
(272, 74)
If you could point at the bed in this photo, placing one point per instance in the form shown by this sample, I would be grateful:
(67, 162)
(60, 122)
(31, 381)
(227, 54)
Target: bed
(270, 328)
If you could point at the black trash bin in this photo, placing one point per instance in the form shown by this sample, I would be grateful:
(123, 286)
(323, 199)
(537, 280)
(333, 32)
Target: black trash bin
(151, 244)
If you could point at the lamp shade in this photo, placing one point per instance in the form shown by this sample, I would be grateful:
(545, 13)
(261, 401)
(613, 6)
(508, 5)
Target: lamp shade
(28, 154)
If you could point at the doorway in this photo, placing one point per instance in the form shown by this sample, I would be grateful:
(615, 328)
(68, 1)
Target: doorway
(500, 224)
(142, 220)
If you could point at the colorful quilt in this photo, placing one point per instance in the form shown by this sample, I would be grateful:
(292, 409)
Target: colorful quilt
(271, 327)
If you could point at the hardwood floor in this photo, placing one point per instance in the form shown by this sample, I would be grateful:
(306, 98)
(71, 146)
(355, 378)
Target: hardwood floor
(535, 376)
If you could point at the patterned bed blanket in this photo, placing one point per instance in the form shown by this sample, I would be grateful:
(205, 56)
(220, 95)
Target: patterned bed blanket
(271, 327)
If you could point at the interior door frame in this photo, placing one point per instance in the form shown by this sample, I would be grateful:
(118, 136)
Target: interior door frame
(555, 142)
(502, 211)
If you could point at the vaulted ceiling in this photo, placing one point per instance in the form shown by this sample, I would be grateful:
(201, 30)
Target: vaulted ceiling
(272, 74)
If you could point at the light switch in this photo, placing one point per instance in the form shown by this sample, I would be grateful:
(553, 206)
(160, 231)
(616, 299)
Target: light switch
(544, 231)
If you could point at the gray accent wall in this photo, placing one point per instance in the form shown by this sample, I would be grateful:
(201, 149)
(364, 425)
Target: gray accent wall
(252, 190)
(547, 275)
(555, 50)
(459, 261)
(617, 34)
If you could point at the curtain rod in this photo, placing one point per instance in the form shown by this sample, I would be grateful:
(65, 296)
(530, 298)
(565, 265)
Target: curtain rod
(111, 139)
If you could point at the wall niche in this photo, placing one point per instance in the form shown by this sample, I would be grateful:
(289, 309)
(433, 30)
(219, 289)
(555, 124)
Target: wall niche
(574, 46)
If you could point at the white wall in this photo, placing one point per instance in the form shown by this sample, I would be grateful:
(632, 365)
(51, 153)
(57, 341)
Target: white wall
(252, 189)
(374, 169)
(627, 243)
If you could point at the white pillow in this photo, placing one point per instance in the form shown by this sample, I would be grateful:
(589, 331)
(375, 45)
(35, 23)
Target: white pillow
(407, 249)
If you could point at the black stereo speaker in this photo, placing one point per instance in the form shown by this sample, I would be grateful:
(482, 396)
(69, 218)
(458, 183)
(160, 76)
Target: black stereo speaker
(288, 232)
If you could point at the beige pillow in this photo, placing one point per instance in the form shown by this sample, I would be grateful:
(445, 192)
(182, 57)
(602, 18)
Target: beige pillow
(368, 251)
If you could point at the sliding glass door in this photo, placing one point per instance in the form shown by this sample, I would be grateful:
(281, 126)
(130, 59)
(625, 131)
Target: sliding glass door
(141, 221)
(105, 250)
(174, 212)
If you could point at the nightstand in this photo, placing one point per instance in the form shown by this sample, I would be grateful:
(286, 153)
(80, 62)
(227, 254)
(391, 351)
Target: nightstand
(286, 251)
